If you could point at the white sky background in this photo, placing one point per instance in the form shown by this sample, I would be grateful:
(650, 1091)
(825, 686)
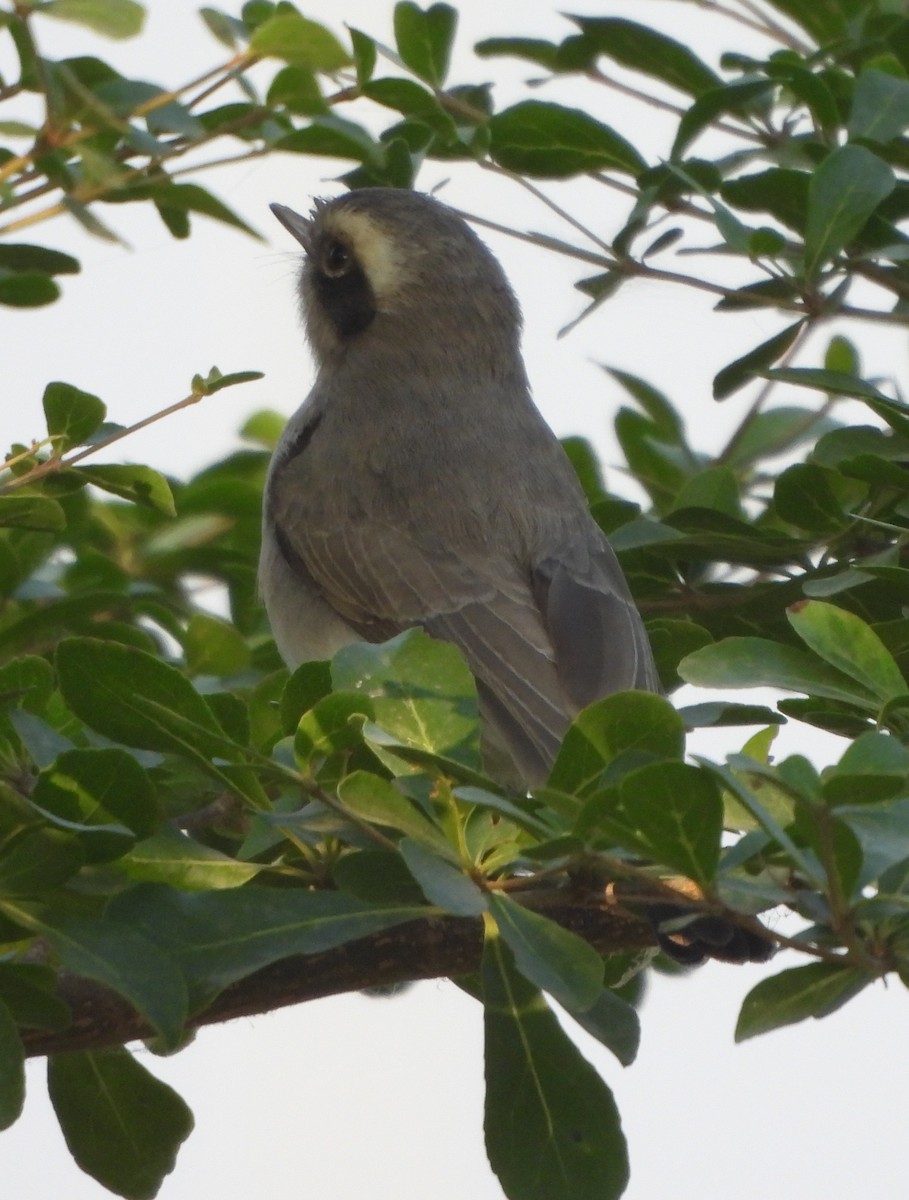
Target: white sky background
(354, 1097)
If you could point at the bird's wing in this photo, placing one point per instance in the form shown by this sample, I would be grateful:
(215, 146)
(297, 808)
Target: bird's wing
(541, 641)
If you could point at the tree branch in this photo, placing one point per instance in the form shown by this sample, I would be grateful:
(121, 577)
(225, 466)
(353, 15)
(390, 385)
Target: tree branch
(430, 949)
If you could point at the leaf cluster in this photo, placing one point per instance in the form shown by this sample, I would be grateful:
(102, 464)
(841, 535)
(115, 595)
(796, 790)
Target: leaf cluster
(178, 813)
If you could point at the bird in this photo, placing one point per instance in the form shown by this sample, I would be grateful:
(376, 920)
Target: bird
(418, 485)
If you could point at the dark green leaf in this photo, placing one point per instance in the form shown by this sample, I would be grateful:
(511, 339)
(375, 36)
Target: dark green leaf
(424, 39)
(836, 382)
(812, 991)
(364, 52)
(36, 859)
(803, 495)
(36, 513)
(552, 958)
(135, 698)
(614, 1023)
(845, 190)
(72, 415)
(102, 795)
(535, 50)
(735, 97)
(644, 49)
(824, 22)
(880, 106)
(333, 137)
(655, 405)
(630, 721)
(552, 1128)
(26, 682)
(441, 883)
(138, 483)
(12, 1070)
(122, 1126)
(20, 257)
(27, 290)
(738, 662)
(548, 141)
(218, 937)
(299, 41)
(670, 812)
(743, 370)
(119, 957)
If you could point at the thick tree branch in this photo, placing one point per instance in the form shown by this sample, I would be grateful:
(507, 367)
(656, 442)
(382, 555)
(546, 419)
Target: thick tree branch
(430, 949)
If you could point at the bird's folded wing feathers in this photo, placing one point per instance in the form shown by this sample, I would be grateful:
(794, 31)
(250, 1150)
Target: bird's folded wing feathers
(515, 628)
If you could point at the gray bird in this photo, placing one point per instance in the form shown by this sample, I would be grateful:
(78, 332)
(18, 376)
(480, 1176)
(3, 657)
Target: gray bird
(418, 485)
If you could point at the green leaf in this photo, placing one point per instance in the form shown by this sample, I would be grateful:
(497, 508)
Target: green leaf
(35, 513)
(803, 495)
(333, 725)
(421, 690)
(614, 1023)
(119, 957)
(552, 1128)
(97, 789)
(424, 39)
(441, 883)
(645, 50)
(552, 958)
(549, 141)
(123, 1126)
(738, 662)
(28, 681)
(734, 97)
(631, 721)
(36, 859)
(365, 53)
(137, 483)
(332, 137)
(214, 647)
(845, 190)
(654, 403)
(812, 991)
(850, 645)
(135, 698)
(376, 800)
(116, 19)
(172, 857)
(838, 382)
(21, 257)
(218, 937)
(72, 415)
(413, 100)
(824, 22)
(743, 370)
(228, 30)
(880, 106)
(299, 41)
(535, 50)
(27, 290)
(12, 1070)
(669, 811)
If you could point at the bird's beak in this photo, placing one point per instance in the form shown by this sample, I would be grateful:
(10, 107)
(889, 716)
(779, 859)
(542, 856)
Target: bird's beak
(294, 224)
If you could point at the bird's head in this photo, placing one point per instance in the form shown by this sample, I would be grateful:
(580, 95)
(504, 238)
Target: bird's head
(395, 270)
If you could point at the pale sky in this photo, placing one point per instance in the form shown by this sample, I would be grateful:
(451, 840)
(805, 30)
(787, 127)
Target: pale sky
(352, 1097)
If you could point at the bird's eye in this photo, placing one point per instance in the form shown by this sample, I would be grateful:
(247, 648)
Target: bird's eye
(336, 260)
